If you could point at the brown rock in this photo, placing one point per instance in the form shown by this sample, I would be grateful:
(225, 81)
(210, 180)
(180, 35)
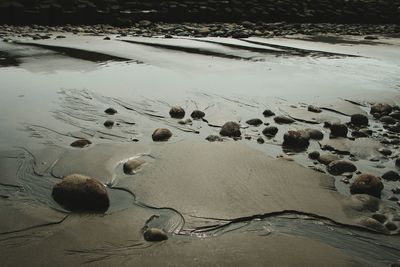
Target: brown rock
(161, 134)
(81, 143)
(367, 184)
(338, 167)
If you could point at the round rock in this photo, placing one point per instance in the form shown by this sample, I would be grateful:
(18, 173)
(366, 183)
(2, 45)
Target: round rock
(197, 114)
(177, 112)
(381, 109)
(270, 131)
(387, 120)
(367, 184)
(108, 123)
(314, 109)
(339, 167)
(391, 176)
(313, 155)
(81, 143)
(359, 120)
(155, 235)
(283, 120)
(268, 113)
(161, 134)
(296, 139)
(110, 111)
(339, 130)
(231, 129)
(315, 134)
(254, 122)
(81, 193)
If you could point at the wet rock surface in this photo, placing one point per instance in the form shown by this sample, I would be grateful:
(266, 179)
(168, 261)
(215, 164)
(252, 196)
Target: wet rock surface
(367, 184)
(161, 134)
(283, 120)
(81, 193)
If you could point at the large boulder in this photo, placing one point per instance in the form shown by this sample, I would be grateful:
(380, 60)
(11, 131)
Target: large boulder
(161, 134)
(78, 192)
(231, 129)
(367, 184)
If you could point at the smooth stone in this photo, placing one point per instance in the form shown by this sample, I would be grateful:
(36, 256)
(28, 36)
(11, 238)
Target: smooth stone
(391, 176)
(254, 122)
(270, 131)
(155, 235)
(393, 198)
(391, 226)
(283, 120)
(268, 113)
(381, 109)
(132, 165)
(186, 122)
(231, 129)
(338, 167)
(367, 184)
(327, 158)
(214, 138)
(177, 112)
(107, 38)
(314, 155)
(161, 134)
(387, 120)
(380, 217)
(111, 111)
(315, 134)
(359, 120)
(78, 192)
(396, 190)
(314, 109)
(395, 115)
(197, 114)
(397, 162)
(338, 130)
(108, 123)
(260, 140)
(81, 143)
(298, 139)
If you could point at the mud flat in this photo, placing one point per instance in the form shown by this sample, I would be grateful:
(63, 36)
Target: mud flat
(251, 151)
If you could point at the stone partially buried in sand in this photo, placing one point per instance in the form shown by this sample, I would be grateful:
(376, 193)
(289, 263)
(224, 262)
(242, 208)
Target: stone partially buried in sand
(254, 122)
(231, 129)
(283, 120)
(161, 134)
(154, 235)
(81, 143)
(110, 111)
(296, 139)
(367, 184)
(268, 113)
(177, 112)
(391, 176)
(381, 109)
(78, 192)
(132, 165)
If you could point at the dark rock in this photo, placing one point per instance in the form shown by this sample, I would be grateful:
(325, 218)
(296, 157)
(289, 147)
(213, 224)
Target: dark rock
(391, 176)
(214, 138)
(270, 131)
(161, 134)
(396, 190)
(109, 123)
(197, 114)
(81, 193)
(370, 37)
(338, 130)
(110, 111)
(132, 165)
(107, 38)
(393, 198)
(359, 120)
(155, 235)
(177, 112)
(387, 120)
(391, 226)
(384, 151)
(268, 113)
(313, 155)
(367, 184)
(283, 120)
(397, 162)
(260, 140)
(296, 139)
(231, 129)
(314, 109)
(81, 143)
(338, 167)
(254, 122)
(381, 109)
(395, 115)
(315, 134)
(382, 218)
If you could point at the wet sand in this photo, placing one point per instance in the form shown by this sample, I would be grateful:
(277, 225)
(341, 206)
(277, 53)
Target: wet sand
(230, 202)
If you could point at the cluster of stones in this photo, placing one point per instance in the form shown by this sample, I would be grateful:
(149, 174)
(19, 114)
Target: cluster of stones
(124, 12)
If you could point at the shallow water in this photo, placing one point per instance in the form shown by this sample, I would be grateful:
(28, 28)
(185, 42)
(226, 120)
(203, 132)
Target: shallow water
(55, 91)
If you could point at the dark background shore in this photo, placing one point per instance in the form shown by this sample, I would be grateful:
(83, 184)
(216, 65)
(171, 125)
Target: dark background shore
(126, 12)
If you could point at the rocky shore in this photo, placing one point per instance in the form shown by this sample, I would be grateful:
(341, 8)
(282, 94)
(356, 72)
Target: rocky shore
(122, 12)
